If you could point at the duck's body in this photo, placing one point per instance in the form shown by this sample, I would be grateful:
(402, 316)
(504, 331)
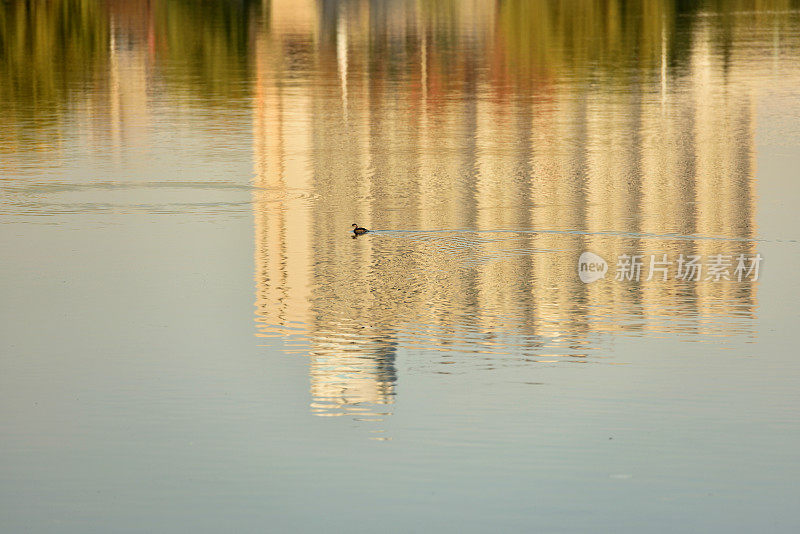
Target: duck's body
(357, 230)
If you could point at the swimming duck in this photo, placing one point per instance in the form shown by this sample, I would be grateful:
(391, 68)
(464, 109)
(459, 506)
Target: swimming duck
(358, 230)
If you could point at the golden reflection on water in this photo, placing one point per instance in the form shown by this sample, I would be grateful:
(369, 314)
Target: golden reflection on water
(488, 156)
(487, 144)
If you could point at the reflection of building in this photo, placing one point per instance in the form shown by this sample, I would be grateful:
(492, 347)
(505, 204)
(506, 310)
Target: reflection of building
(130, 30)
(290, 288)
(281, 139)
(391, 121)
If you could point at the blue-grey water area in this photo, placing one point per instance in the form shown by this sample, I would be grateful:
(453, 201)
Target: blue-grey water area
(192, 340)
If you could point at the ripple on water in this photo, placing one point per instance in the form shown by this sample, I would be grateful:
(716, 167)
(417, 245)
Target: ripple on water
(25, 200)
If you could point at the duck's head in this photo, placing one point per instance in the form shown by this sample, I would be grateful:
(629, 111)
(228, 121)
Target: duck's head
(355, 225)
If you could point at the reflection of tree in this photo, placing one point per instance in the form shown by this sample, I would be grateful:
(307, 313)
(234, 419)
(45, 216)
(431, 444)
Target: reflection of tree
(47, 51)
(543, 38)
(616, 38)
(204, 47)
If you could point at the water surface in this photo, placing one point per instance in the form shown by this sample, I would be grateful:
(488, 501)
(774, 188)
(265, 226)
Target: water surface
(193, 340)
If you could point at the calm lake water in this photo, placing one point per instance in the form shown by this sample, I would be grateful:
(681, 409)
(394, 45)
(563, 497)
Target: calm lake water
(192, 340)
